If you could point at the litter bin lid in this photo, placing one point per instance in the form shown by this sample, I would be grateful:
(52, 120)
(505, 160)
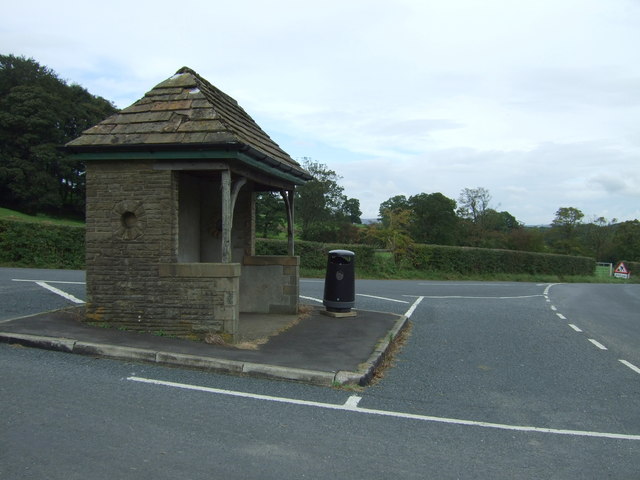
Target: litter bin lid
(342, 253)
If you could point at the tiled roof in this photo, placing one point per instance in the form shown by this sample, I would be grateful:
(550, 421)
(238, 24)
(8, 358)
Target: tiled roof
(186, 111)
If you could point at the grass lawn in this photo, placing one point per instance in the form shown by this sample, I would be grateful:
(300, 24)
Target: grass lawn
(6, 214)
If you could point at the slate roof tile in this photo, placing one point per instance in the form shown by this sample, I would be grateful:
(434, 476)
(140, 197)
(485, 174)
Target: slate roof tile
(186, 109)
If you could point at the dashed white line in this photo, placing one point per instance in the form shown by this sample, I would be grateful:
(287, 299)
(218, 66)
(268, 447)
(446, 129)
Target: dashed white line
(597, 344)
(351, 405)
(561, 316)
(630, 365)
(553, 307)
(574, 327)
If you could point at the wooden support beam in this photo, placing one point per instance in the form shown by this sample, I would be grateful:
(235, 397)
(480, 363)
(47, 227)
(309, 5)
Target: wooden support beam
(288, 197)
(229, 197)
(227, 215)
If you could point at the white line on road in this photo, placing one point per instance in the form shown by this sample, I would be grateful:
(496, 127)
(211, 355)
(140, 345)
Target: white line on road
(475, 298)
(561, 316)
(553, 307)
(597, 344)
(55, 290)
(630, 365)
(381, 298)
(546, 290)
(311, 298)
(413, 307)
(351, 405)
(47, 281)
(352, 402)
(574, 327)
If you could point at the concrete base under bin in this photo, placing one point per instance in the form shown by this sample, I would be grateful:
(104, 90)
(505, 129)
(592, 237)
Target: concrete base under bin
(328, 313)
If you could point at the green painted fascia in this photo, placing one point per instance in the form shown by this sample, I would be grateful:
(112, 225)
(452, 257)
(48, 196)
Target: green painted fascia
(191, 155)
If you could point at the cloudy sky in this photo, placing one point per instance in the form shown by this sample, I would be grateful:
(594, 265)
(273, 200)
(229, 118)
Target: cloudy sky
(536, 101)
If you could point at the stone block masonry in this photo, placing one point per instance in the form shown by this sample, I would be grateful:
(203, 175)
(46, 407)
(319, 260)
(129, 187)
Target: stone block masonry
(133, 280)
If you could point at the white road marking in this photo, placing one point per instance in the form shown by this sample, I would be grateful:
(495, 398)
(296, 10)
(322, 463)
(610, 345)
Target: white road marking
(381, 298)
(630, 365)
(47, 281)
(486, 284)
(311, 298)
(574, 327)
(413, 307)
(561, 316)
(553, 307)
(475, 298)
(546, 290)
(352, 402)
(57, 291)
(597, 344)
(351, 406)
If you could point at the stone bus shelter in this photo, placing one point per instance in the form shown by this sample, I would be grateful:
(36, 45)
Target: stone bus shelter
(171, 188)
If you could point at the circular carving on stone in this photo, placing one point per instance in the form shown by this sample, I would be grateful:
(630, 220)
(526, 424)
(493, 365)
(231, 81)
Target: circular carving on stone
(129, 220)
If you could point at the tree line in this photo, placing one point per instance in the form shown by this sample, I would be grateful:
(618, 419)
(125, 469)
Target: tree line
(39, 112)
(325, 214)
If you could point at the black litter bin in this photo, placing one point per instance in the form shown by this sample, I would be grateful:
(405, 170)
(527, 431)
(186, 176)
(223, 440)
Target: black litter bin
(339, 282)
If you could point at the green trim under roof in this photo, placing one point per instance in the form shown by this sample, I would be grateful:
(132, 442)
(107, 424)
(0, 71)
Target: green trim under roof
(191, 155)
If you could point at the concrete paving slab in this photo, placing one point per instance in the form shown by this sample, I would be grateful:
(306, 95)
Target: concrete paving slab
(310, 348)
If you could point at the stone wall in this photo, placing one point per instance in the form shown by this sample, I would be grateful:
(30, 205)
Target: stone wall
(133, 280)
(152, 245)
(270, 284)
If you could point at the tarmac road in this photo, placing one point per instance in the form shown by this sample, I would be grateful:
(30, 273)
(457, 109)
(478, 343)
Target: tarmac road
(558, 405)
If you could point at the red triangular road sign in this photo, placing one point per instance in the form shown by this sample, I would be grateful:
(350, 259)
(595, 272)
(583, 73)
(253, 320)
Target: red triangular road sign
(621, 268)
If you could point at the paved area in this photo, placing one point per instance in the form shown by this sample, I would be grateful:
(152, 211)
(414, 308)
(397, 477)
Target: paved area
(312, 348)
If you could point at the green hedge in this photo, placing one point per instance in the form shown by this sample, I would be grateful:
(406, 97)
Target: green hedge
(463, 260)
(467, 260)
(40, 245)
(633, 267)
(313, 255)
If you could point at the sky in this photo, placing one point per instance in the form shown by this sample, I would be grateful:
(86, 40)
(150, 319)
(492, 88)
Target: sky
(536, 101)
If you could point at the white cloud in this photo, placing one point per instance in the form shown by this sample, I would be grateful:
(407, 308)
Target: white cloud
(536, 101)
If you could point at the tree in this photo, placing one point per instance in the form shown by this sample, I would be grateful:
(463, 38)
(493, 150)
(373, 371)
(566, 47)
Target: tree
(599, 236)
(399, 202)
(433, 218)
(394, 235)
(626, 242)
(38, 113)
(473, 203)
(562, 234)
(351, 210)
(321, 206)
(270, 214)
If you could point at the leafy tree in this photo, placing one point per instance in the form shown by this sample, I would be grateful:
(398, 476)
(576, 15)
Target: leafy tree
(626, 241)
(38, 113)
(433, 218)
(270, 214)
(473, 203)
(562, 235)
(399, 202)
(598, 237)
(321, 206)
(351, 210)
(394, 235)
